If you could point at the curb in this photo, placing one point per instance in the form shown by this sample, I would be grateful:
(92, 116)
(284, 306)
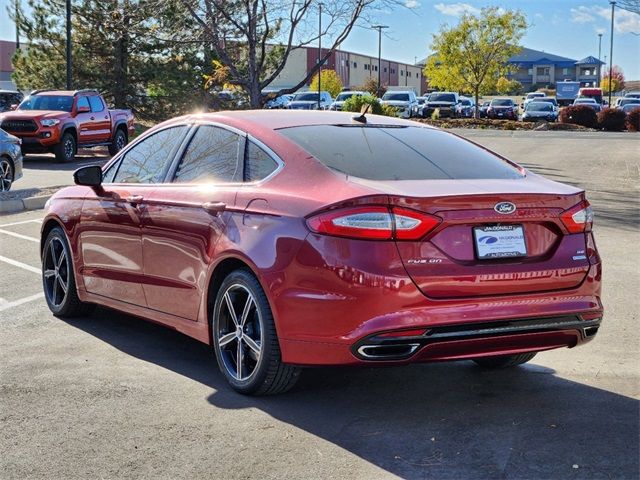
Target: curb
(30, 203)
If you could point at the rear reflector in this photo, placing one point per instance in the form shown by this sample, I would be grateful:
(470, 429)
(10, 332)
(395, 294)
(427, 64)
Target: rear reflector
(374, 223)
(403, 333)
(578, 218)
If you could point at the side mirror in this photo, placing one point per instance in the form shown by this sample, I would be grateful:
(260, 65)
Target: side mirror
(84, 109)
(90, 176)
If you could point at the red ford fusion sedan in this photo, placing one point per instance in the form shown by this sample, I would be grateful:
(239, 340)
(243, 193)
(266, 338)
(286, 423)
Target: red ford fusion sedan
(288, 239)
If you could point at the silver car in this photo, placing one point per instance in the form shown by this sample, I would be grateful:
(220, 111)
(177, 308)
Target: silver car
(10, 160)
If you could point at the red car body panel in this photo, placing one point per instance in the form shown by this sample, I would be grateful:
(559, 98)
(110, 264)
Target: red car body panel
(157, 260)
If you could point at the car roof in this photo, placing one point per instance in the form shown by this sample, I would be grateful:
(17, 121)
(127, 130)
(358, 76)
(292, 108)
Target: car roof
(276, 119)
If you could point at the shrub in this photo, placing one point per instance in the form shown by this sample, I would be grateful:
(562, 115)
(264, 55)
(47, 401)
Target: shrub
(633, 120)
(435, 115)
(611, 119)
(579, 115)
(355, 103)
(389, 111)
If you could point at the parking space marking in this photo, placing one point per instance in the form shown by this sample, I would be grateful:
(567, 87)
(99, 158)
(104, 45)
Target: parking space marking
(20, 265)
(18, 235)
(21, 223)
(7, 305)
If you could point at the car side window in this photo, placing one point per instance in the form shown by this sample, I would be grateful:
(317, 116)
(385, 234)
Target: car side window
(258, 164)
(212, 156)
(82, 102)
(110, 173)
(96, 104)
(147, 161)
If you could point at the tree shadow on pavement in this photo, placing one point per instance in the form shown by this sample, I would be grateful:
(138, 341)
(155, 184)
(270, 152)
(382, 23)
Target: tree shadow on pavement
(448, 420)
(48, 162)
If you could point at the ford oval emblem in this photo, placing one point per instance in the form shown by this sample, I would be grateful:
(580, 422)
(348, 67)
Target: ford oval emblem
(505, 208)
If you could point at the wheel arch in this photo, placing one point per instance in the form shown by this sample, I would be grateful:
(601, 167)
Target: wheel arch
(120, 125)
(69, 128)
(217, 276)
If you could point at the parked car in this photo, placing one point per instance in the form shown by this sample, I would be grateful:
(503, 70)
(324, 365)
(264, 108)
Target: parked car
(61, 121)
(417, 110)
(445, 102)
(280, 101)
(567, 92)
(10, 160)
(621, 102)
(538, 111)
(630, 107)
(9, 99)
(632, 95)
(275, 235)
(530, 97)
(592, 92)
(309, 101)
(589, 102)
(502, 108)
(466, 107)
(482, 111)
(404, 101)
(343, 97)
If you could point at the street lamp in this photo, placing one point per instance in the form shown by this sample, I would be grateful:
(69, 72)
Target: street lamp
(379, 28)
(613, 7)
(68, 44)
(319, 54)
(599, 52)
(17, 13)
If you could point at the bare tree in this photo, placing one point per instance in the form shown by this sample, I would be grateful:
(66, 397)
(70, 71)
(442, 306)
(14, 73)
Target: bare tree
(253, 39)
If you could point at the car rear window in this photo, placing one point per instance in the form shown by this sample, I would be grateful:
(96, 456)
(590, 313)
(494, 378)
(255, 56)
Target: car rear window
(398, 153)
(306, 97)
(397, 97)
(442, 97)
(504, 102)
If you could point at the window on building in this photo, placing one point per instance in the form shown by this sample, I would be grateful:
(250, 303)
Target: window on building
(355, 65)
(565, 71)
(530, 71)
(385, 69)
(342, 63)
(375, 67)
(586, 71)
(542, 71)
(402, 73)
(393, 70)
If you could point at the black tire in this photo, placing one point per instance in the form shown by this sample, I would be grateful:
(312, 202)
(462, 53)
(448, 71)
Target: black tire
(7, 174)
(504, 361)
(56, 252)
(268, 375)
(119, 142)
(65, 151)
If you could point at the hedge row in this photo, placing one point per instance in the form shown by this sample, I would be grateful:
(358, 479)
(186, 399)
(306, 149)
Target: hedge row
(610, 119)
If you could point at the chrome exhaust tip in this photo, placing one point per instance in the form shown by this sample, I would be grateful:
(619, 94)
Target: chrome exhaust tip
(382, 352)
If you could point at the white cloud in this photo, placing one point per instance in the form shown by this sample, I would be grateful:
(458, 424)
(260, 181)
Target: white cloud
(624, 21)
(456, 9)
(582, 14)
(411, 3)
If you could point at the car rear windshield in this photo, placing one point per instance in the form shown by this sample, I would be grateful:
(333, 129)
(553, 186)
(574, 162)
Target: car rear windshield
(544, 99)
(540, 107)
(398, 153)
(442, 97)
(344, 96)
(398, 97)
(47, 102)
(502, 102)
(306, 97)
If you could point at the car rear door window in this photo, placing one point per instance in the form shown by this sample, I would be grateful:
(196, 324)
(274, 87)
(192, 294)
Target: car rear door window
(212, 156)
(258, 163)
(399, 153)
(149, 159)
(96, 104)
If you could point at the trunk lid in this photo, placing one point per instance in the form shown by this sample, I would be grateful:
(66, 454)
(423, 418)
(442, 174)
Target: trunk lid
(446, 264)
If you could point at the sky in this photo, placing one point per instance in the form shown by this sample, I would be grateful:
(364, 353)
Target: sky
(568, 28)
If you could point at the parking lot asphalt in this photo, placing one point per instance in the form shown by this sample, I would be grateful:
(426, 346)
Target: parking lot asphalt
(110, 396)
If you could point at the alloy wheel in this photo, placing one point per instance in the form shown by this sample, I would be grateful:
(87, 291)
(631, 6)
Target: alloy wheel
(240, 332)
(68, 148)
(56, 272)
(120, 141)
(6, 175)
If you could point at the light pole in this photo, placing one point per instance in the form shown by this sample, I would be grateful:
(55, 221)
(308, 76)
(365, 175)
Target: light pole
(379, 28)
(17, 13)
(69, 59)
(319, 54)
(599, 52)
(613, 7)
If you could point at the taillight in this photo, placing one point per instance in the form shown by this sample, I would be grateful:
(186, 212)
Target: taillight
(578, 218)
(374, 223)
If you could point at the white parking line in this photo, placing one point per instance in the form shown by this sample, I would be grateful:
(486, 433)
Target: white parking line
(20, 265)
(15, 303)
(17, 235)
(21, 223)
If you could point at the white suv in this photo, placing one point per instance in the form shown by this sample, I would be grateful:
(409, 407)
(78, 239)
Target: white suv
(405, 101)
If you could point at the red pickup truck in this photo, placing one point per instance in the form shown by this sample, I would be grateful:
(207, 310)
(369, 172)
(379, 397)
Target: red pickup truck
(61, 121)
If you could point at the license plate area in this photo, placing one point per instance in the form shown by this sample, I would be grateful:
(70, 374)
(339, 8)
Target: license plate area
(499, 241)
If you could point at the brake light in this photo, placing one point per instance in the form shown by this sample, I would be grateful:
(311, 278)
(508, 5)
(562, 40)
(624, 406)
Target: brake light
(374, 223)
(578, 218)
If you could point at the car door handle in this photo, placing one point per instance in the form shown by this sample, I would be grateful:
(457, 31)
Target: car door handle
(135, 200)
(214, 208)
(92, 118)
